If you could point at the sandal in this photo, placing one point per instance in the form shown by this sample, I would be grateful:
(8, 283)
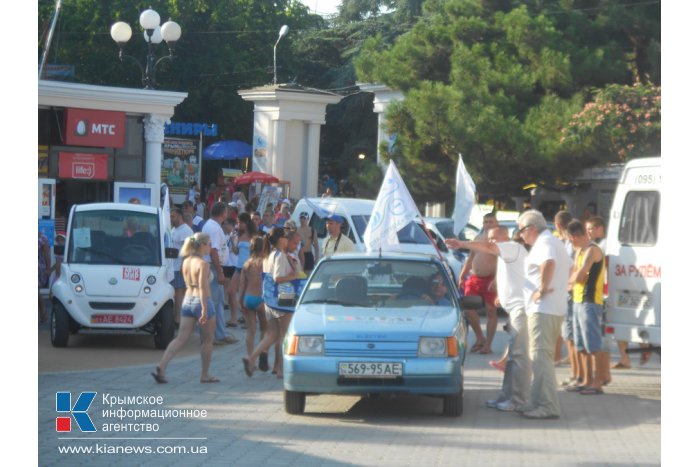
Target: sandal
(591, 391)
(476, 347)
(211, 379)
(159, 377)
(485, 351)
(247, 367)
(575, 388)
(621, 366)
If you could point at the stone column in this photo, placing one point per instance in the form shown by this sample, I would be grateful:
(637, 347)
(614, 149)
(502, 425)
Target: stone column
(154, 132)
(383, 97)
(314, 138)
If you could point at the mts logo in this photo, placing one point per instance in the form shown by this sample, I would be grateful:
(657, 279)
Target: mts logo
(83, 170)
(82, 127)
(104, 129)
(78, 411)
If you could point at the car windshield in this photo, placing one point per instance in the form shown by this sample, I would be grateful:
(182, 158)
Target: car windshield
(114, 237)
(380, 283)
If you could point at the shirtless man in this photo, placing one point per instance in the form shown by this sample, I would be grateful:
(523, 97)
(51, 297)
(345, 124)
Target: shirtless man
(309, 242)
(477, 276)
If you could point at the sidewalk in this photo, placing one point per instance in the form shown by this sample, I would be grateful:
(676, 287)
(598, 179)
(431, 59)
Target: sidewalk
(246, 423)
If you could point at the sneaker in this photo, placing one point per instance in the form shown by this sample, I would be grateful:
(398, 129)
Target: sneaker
(493, 403)
(539, 414)
(506, 406)
(569, 381)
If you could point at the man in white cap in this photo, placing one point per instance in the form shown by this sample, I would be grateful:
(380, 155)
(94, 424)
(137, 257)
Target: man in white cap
(336, 241)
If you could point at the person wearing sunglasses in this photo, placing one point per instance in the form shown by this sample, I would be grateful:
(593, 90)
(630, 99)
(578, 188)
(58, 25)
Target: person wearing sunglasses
(547, 268)
(510, 281)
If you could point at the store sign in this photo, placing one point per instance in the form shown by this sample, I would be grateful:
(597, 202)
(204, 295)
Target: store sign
(99, 128)
(83, 166)
(191, 129)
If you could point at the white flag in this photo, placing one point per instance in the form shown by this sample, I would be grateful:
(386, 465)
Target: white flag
(165, 225)
(393, 210)
(465, 198)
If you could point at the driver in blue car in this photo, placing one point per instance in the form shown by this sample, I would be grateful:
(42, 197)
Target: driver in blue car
(438, 290)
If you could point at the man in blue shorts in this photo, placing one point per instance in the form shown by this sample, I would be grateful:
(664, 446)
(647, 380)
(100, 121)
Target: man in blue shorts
(587, 292)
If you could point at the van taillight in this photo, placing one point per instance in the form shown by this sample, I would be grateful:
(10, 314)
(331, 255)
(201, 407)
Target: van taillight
(609, 330)
(605, 280)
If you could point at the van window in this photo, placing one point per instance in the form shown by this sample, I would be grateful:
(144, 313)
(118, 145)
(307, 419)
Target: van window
(639, 224)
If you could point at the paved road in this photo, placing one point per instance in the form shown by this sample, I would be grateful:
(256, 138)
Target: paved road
(247, 425)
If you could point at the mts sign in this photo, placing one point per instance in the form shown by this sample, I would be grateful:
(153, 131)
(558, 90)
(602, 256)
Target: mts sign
(96, 128)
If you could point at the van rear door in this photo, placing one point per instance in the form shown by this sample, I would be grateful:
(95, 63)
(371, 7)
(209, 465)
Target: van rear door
(633, 248)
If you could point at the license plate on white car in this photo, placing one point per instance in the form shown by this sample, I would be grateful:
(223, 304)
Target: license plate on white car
(112, 319)
(371, 369)
(632, 300)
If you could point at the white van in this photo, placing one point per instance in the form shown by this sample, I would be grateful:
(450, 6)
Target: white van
(114, 274)
(356, 213)
(633, 249)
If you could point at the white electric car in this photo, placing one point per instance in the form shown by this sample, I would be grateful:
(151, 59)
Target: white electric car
(114, 274)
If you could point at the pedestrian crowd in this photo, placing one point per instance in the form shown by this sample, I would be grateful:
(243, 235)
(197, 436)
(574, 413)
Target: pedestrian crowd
(225, 260)
(551, 285)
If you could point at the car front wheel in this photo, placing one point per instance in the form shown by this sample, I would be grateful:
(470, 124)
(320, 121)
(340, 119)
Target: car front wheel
(453, 405)
(294, 402)
(165, 326)
(60, 325)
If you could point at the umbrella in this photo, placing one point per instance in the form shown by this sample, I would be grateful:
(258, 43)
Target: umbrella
(227, 150)
(252, 177)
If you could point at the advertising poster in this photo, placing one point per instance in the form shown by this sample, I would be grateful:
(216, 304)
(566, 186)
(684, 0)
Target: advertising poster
(43, 161)
(260, 153)
(270, 194)
(180, 166)
(46, 227)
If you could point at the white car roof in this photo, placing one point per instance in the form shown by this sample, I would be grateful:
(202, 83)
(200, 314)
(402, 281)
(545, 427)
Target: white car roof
(116, 206)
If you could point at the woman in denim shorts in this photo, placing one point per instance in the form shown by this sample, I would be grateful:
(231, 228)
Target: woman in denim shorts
(197, 306)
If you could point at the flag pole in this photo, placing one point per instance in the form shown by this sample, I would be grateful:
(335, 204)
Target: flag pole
(432, 240)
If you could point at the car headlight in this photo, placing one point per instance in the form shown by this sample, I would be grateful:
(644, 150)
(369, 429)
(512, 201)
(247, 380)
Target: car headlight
(305, 345)
(75, 278)
(432, 347)
(151, 280)
(438, 347)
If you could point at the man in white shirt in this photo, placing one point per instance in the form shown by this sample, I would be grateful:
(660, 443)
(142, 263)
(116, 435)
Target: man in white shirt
(219, 251)
(510, 281)
(336, 242)
(547, 270)
(179, 232)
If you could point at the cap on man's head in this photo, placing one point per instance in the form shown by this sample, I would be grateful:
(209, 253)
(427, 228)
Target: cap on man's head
(286, 201)
(336, 218)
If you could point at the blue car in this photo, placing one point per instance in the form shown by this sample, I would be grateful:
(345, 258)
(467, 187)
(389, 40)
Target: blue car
(377, 324)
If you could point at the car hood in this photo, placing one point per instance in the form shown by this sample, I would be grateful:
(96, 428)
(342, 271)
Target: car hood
(113, 281)
(351, 322)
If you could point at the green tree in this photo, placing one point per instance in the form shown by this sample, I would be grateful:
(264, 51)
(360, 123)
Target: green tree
(498, 80)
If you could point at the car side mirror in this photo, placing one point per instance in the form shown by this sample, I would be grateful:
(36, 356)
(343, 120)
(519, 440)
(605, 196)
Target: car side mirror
(172, 253)
(58, 250)
(471, 302)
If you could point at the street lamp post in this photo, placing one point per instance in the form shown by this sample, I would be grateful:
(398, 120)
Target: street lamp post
(153, 34)
(283, 32)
